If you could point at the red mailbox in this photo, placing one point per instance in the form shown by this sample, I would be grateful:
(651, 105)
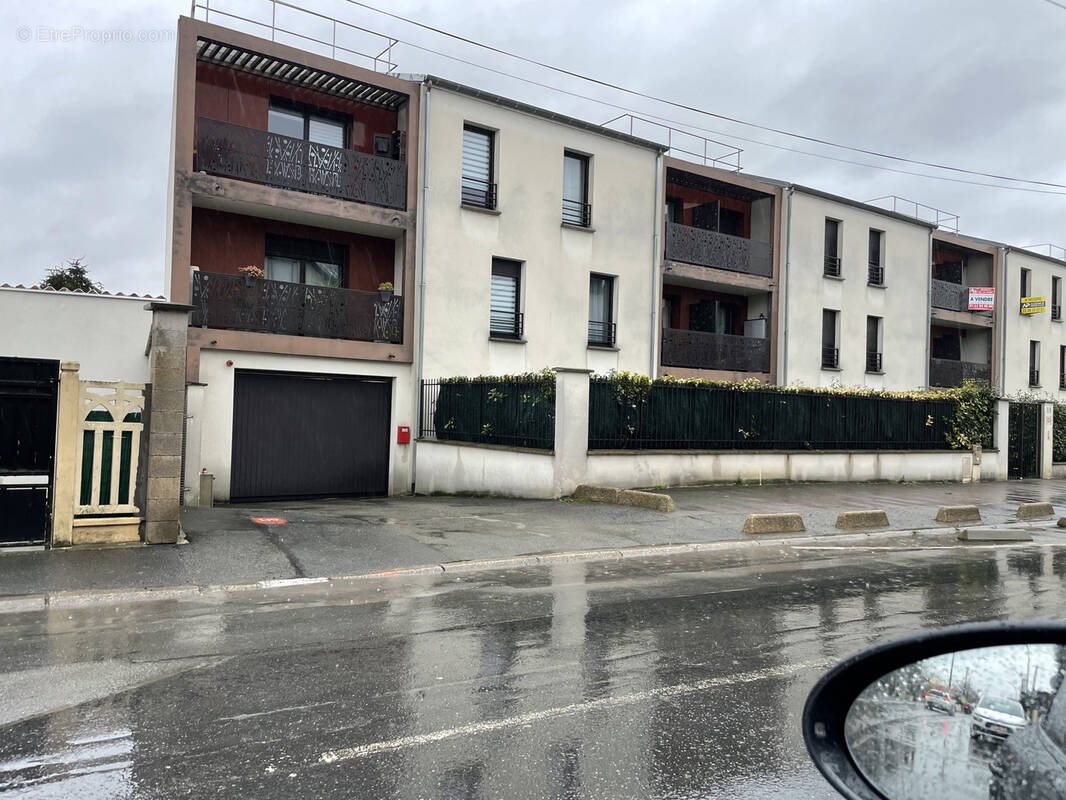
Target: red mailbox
(403, 434)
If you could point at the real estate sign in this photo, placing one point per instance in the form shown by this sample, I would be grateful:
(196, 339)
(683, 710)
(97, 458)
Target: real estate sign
(982, 299)
(1034, 305)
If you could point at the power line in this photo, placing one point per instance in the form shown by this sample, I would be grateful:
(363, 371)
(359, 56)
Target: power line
(615, 106)
(1060, 5)
(696, 110)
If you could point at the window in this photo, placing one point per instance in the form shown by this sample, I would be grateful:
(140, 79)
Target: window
(876, 275)
(1025, 283)
(576, 208)
(675, 210)
(830, 350)
(505, 319)
(1056, 298)
(1034, 363)
(308, 123)
(305, 261)
(601, 310)
(873, 344)
(478, 167)
(832, 248)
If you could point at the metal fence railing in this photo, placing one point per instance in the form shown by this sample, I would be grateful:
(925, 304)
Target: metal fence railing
(488, 411)
(686, 417)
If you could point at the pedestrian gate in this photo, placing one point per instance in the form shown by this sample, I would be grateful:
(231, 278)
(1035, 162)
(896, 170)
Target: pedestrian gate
(28, 394)
(1023, 440)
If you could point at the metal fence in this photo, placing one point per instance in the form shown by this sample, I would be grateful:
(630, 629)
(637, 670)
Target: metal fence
(488, 411)
(712, 418)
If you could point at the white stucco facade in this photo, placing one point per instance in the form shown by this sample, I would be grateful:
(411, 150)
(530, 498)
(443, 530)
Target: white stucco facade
(105, 334)
(1021, 329)
(209, 444)
(526, 227)
(902, 302)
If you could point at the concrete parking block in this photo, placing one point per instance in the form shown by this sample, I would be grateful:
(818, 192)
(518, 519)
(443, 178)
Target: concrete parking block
(624, 497)
(958, 514)
(996, 535)
(774, 523)
(1035, 510)
(1062, 522)
(852, 520)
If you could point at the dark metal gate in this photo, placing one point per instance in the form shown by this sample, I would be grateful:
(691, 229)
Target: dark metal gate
(28, 394)
(309, 436)
(1023, 440)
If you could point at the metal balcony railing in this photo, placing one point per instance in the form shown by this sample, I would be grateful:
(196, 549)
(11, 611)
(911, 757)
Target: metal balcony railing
(832, 267)
(577, 213)
(875, 275)
(704, 350)
(234, 302)
(705, 248)
(506, 324)
(830, 357)
(1034, 377)
(601, 333)
(1056, 312)
(873, 362)
(947, 373)
(235, 151)
(478, 193)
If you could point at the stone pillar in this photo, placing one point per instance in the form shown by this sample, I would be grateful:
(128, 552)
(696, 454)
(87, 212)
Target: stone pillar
(1047, 438)
(166, 417)
(999, 439)
(571, 428)
(66, 466)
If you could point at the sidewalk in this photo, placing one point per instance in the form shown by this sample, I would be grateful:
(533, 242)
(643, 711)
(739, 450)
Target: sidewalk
(346, 537)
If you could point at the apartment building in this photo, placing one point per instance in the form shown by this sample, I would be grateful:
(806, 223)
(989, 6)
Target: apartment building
(1033, 340)
(538, 235)
(302, 168)
(720, 274)
(856, 283)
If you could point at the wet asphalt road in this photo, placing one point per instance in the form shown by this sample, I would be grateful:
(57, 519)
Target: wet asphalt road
(664, 678)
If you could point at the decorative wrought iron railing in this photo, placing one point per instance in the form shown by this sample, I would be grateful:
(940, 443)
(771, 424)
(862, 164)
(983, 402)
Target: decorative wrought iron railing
(235, 302)
(702, 350)
(601, 333)
(478, 193)
(223, 148)
(577, 213)
(945, 372)
(705, 248)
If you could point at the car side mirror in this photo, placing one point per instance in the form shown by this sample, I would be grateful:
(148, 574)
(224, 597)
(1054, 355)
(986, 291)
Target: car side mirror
(943, 714)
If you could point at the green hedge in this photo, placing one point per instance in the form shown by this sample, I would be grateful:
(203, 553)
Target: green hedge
(511, 410)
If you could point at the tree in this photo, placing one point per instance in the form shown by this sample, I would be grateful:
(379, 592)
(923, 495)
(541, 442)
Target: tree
(74, 277)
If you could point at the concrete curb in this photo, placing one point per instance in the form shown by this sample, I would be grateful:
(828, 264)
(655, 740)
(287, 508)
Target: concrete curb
(103, 597)
(624, 497)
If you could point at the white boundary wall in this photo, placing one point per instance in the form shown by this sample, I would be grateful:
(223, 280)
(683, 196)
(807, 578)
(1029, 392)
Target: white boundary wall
(468, 468)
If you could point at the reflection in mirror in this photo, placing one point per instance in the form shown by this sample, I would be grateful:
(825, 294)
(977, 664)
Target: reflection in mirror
(977, 723)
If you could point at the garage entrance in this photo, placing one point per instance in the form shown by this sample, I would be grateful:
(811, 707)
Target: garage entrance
(309, 436)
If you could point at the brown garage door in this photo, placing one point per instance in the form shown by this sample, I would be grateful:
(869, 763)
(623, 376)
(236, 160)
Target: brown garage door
(309, 436)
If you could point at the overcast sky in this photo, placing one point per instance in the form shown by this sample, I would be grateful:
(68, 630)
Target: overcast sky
(979, 84)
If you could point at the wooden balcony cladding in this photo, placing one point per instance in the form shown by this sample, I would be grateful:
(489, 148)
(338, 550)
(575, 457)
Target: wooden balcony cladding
(723, 351)
(235, 151)
(234, 302)
(718, 250)
(947, 373)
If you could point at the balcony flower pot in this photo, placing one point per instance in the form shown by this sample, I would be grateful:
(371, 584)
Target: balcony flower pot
(251, 273)
(385, 291)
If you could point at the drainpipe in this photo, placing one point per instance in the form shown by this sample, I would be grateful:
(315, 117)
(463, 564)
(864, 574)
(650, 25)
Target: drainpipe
(782, 367)
(656, 261)
(1001, 290)
(423, 223)
(929, 310)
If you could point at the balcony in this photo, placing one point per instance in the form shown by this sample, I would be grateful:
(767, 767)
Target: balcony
(873, 362)
(235, 151)
(875, 275)
(234, 302)
(601, 334)
(718, 250)
(830, 357)
(701, 350)
(831, 267)
(948, 372)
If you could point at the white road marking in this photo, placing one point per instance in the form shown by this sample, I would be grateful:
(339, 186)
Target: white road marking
(281, 582)
(344, 754)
